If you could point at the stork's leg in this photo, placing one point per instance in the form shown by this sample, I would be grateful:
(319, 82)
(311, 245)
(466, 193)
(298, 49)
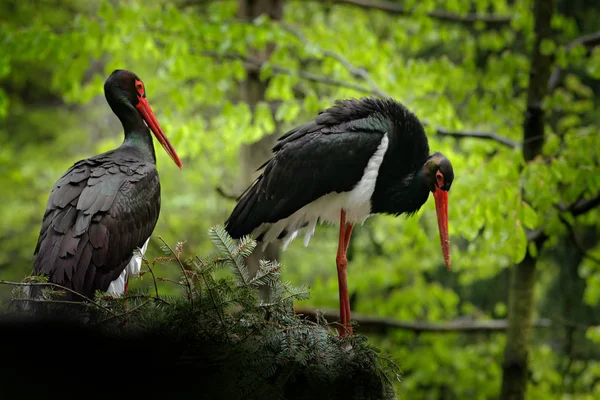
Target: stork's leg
(342, 262)
(347, 236)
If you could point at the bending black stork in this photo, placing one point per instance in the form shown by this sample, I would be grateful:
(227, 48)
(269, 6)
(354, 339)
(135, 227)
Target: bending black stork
(105, 207)
(356, 159)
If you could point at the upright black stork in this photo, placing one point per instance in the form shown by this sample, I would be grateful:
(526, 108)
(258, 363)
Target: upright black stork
(356, 159)
(105, 207)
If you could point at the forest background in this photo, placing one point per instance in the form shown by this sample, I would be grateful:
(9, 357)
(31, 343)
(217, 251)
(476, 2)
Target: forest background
(508, 90)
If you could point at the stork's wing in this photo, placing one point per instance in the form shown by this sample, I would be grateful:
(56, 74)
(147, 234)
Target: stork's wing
(97, 214)
(310, 161)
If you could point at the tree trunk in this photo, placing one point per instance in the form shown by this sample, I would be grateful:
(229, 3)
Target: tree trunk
(521, 289)
(252, 92)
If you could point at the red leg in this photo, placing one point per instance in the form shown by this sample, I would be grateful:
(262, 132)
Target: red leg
(347, 236)
(342, 262)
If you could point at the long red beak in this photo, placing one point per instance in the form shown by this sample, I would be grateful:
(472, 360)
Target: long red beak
(144, 108)
(441, 208)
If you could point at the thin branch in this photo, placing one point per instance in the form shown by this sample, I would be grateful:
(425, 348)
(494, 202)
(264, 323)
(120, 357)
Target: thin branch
(354, 71)
(217, 309)
(254, 65)
(492, 21)
(480, 135)
(361, 73)
(57, 286)
(369, 324)
(580, 206)
(126, 312)
(584, 205)
(589, 41)
(151, 273)
(225, 194)
(51, 301)
(136, 296)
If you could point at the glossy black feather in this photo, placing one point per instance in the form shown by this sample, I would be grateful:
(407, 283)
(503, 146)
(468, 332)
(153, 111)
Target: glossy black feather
(329, 154)
(97, 214)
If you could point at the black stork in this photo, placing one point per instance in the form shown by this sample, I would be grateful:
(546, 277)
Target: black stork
(105, 207)
(355, 159)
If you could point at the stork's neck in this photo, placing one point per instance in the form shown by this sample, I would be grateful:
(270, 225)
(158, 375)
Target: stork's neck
(393, 196)
(137, 133)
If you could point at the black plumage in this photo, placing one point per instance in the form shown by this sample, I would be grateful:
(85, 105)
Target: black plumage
(329, 155)
(355, 159)
(96, 216)
(105, 207)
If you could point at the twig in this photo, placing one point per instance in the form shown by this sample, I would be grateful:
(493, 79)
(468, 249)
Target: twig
(493, 21)
(151, 273)
(224, 194)
(255, 65)
(58, 286)
(582, 206)
(75, 303)
(124, 313)
(189, 285)
(354, 71)
(210, 291)
(481, 135)
(381, 324)
(160, 278)
(137, 296)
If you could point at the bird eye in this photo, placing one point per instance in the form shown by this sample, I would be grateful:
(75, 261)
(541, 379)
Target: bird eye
(439, 177)
(140, 88)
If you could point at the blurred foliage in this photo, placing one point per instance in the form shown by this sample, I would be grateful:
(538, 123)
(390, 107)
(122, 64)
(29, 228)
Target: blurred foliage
(459, 75)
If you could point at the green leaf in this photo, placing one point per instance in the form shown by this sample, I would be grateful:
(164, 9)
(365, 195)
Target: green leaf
(529, 216)
(520, 243)
(547, 47)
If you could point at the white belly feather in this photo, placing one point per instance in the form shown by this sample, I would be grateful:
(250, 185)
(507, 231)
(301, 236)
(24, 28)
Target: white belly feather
(356, 202)
(117, 287)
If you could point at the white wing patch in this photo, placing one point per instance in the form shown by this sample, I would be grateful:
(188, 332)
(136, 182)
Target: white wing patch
(117, 287)
(326, 209)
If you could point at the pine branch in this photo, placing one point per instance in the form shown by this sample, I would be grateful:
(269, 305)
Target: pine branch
(491, 21)
(126, 313)
(87, 299)
(225, 244)
(267, 274)
(209, 288)
(370, 324)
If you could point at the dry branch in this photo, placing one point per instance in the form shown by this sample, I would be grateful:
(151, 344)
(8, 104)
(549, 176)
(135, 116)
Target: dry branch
(370, 324)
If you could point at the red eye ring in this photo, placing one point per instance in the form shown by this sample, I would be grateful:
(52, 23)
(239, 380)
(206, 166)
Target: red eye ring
(439, 177)
(139, 87)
